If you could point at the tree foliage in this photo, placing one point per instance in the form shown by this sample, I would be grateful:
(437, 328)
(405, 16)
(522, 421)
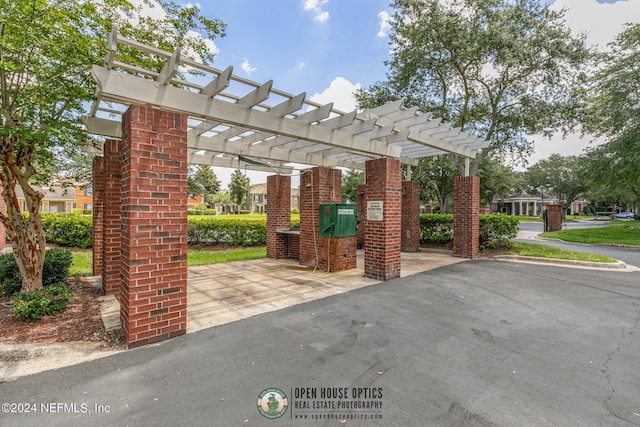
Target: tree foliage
(614, 168)
(350, 181)
(497, 181)
(203, 180)
(560, 176)
(501, 69)
(435, 175)
(239, 187)
(47, 48)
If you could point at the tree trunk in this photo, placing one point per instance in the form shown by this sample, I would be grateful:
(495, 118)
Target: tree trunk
(26, 234)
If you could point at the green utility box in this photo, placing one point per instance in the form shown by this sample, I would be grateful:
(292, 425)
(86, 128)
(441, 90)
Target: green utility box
(337, 220)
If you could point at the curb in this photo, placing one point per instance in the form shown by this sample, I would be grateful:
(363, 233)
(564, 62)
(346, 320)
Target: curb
(618, 265)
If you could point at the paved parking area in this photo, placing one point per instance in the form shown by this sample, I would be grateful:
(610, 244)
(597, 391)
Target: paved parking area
(479, 343)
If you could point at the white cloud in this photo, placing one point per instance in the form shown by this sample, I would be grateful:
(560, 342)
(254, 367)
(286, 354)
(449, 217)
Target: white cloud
(315, 6)
(340, 92)
(601, 21)
(300, 65)
(385, 25)
(247, 67)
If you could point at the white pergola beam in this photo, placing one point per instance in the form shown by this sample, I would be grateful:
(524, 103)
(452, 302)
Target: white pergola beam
(217, 85)
(170, 68)
(129, 89)
(233, 163)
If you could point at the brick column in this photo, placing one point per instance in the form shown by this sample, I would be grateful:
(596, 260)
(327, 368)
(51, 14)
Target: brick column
(554, 217)
(322, 185)
(111, 218)
(153, 299)
(466, 216)
(98, 215)
(278, 215)
(410, 216)
(3, 230)
(361, 213)
(382, 241)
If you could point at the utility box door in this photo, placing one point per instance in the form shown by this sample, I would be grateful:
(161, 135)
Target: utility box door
(338, 220)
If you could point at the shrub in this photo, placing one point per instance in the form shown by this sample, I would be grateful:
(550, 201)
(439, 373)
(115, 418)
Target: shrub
(436, 228)
(55, 270)
(10, 279)
(201, 212)
(68, 229)
(56, 266)
(47, 301)
(295, 211)
(230, 230)
(494, 228)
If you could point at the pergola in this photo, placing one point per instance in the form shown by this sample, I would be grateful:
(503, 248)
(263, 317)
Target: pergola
(156, 124)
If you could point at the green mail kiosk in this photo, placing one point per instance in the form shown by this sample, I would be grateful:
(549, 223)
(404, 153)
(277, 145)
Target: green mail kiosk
(338, 220)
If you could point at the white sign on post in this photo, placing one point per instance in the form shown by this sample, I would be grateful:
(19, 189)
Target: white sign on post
(375, 211)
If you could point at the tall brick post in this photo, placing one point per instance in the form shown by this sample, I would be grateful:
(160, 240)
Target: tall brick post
(98, 215)
(383, 220)
(466, 216)
(322, 185)
(278, 215)
(554, 217)
(361, 213)
(111, 217)
(153, 298)
(410, 216)
(3, 230)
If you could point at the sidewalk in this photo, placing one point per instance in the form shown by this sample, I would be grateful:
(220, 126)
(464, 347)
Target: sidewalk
(219, 294)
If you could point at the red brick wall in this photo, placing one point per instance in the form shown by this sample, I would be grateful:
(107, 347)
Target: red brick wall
(293, 244)
(322, 185)
(554, 217)
(98, 214)
(111, 217)
(429, 209)
(154, 225)
(382, 239)
(485, 209)
(410, 216)
(466, 216)
(361, 213)
(3, 230)
(278, 215)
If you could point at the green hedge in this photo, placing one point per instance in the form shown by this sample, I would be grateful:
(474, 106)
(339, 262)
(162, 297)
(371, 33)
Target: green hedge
(55, 270)
(68, 229)
(231, 230)
(494, 228)
(201, 212)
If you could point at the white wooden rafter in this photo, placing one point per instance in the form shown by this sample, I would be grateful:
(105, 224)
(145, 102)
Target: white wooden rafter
(251, 125)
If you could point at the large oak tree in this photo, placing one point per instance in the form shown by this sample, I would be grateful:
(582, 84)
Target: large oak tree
(501, 69)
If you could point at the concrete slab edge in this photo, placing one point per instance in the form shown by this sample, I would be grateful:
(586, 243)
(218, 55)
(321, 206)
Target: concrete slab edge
(618, 265)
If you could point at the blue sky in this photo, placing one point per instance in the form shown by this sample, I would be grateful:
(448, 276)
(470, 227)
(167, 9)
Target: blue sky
(327, 48)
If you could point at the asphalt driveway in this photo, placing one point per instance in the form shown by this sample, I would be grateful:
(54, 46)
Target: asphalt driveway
(478, 343)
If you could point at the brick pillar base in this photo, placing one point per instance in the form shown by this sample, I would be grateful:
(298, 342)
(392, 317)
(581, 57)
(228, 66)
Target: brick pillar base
(278, 215)
(382, 241)
(322, 185)
(111, 217)
(554, 217)
(153, 298)
(466, 216)
(98, 215)
(410, 216)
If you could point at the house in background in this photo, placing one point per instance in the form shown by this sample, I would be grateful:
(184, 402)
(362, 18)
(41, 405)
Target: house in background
(56, 199)
(84, 197)
(257, 200)
(523, 204)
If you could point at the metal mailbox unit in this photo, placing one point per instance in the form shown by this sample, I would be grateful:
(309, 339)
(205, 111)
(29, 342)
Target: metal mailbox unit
(338, 220)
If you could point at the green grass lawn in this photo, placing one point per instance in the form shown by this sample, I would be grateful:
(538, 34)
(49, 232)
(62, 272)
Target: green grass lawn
(82, 260)
(214, 257)
(546, 251)
(627, 234)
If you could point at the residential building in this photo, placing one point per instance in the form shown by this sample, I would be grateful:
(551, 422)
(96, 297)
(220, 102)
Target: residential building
(523, 204)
